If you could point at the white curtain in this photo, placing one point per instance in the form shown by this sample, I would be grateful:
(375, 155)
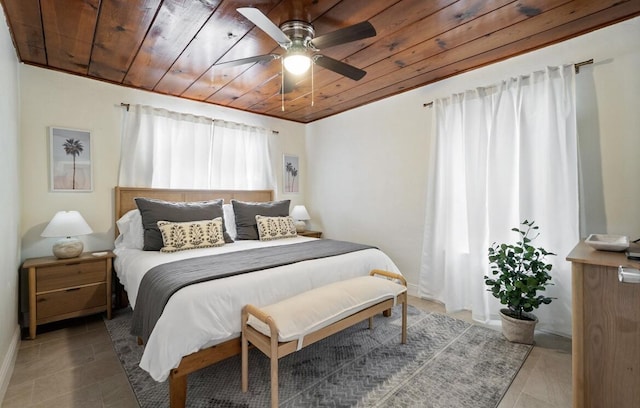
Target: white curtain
(240, 157)
(501, 155)
(167, 149)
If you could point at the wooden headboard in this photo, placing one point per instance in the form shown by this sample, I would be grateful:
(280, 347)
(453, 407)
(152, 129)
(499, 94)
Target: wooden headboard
(125, 196)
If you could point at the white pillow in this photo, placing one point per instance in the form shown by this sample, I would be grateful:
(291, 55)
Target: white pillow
(230, 221)
(131, 231)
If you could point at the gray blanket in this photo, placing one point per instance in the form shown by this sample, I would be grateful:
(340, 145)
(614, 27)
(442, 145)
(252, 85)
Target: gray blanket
(164, 280)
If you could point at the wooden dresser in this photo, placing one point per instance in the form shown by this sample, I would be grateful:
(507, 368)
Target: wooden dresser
(606, 330)
(64, 288)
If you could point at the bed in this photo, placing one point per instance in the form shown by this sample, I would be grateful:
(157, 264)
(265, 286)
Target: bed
(200, 323)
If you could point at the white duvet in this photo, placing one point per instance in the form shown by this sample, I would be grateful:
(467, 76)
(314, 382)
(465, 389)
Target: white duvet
(208, 313)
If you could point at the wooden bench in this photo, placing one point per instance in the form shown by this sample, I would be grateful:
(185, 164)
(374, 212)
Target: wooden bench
(313, 315)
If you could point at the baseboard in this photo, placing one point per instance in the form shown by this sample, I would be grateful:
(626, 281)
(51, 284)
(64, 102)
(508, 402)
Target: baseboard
(9, 362)
(412, 290)
(555, 333)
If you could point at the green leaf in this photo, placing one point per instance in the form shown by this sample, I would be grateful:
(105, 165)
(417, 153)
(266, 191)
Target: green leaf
(520, 271)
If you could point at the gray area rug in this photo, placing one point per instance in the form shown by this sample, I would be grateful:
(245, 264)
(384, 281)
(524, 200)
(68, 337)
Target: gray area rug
(446, 363)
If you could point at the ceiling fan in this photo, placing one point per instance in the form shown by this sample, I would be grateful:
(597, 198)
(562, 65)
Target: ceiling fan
(301, 45)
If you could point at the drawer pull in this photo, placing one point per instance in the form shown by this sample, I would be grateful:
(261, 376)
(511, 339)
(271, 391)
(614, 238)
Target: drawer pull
(628, 275)
(72, 289)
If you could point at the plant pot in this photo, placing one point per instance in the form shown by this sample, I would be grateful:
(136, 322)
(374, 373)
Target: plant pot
(518, 330)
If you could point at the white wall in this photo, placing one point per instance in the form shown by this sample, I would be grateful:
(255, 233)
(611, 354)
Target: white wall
(9, 206)
(50, 98)
(367, 177)
(368, 167)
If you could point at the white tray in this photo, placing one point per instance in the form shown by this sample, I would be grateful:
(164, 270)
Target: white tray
(605, 242)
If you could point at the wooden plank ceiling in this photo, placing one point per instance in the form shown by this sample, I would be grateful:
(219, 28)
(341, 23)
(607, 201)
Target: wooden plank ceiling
(171, 46)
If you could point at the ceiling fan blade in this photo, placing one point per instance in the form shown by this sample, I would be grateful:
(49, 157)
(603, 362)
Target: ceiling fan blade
(262, 22)
(344, 35)
(339, 67)
(249, 60)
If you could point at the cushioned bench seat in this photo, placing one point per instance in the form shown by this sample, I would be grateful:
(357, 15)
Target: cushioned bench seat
(313, 315)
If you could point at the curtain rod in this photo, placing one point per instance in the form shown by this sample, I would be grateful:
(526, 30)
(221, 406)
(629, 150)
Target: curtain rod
(576, 66)
(128, 105)
(580, 64)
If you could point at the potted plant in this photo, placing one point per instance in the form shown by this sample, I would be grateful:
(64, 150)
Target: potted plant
(519, 273)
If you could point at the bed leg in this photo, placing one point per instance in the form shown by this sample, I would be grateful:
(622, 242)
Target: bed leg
(177, 390)
(121, 299)
(387, 313)
(244, 346)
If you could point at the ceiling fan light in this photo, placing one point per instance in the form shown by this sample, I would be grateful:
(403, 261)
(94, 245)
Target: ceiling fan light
(297, 63)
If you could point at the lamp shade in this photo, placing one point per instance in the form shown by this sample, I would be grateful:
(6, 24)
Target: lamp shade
(300, 213)
(67, 225)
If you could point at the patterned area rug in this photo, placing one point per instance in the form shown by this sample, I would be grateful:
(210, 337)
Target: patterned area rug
(446, 363)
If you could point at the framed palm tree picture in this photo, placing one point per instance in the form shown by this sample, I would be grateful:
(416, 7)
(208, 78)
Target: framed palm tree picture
(291, 174)
(70, 160)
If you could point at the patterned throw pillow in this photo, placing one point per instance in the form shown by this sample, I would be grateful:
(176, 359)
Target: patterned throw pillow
(270, 228)
(180, 236)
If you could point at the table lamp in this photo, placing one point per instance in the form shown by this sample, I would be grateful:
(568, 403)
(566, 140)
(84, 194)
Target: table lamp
(68, 225)
(300, 215)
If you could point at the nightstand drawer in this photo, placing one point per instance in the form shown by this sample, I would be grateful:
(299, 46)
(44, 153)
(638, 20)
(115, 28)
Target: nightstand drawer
(66, 288)
(65, 276)
(311, 234)
(70, 300)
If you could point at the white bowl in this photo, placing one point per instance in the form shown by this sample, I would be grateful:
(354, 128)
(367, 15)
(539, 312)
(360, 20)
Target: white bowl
(605, 242)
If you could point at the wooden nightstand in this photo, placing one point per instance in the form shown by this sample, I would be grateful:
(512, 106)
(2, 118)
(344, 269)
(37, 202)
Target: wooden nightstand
(312, 234)
(64, 288)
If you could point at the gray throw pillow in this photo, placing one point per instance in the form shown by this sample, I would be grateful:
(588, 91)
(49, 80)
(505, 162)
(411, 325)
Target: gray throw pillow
(153, 210)
(245, 212)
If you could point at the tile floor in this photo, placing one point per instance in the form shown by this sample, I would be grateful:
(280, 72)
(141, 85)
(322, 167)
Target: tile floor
(72, 364)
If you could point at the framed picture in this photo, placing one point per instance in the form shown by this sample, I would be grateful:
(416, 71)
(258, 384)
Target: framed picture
(291, 174)
(70, 160)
